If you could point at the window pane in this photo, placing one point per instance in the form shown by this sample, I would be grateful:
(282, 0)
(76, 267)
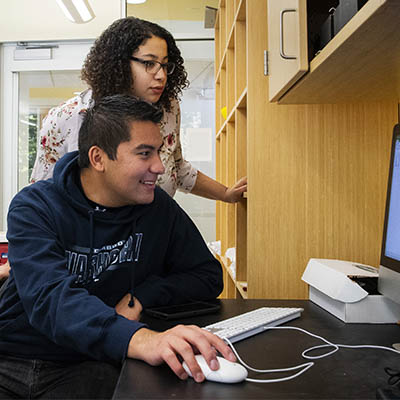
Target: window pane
(38, 92)
(198, 129)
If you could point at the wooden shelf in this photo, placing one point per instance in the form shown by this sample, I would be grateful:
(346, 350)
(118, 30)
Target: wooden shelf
(240, 104)
(242, 288)
(361, 63)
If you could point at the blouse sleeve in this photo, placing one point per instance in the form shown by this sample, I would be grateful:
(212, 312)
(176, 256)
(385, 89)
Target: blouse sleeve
(58, 136)
(186, 173)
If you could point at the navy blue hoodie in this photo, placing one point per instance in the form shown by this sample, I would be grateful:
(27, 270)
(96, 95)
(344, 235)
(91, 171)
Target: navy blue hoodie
(72, 262)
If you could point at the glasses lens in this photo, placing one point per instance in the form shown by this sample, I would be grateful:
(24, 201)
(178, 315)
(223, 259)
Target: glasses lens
(152, 67)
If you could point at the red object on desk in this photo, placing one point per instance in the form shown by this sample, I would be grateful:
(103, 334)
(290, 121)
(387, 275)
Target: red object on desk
(3, 253)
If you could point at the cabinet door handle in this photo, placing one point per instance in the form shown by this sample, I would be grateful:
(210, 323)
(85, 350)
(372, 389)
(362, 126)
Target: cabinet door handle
(281, 46)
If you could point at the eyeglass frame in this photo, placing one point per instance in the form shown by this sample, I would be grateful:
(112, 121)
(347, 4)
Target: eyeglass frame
(164, 66)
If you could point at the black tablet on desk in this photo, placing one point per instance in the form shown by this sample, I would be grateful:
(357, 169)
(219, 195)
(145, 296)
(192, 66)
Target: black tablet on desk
(182, 310)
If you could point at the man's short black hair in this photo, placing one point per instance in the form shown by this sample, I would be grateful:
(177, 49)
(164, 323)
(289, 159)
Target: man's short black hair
(107, 124)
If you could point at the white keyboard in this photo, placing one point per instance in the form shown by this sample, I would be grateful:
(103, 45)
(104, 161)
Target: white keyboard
(248, 324)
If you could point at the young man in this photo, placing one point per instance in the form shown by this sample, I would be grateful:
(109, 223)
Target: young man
(90, 248)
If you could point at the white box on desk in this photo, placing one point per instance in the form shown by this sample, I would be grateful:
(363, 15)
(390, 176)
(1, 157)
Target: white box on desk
(331, 288)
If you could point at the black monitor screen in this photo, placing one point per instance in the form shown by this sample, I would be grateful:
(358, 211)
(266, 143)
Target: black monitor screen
(390, 256)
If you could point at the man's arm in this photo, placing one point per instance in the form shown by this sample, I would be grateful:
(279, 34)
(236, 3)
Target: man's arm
(55, 307)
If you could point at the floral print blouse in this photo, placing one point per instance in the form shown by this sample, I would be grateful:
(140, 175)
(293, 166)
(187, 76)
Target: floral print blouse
(59, 135)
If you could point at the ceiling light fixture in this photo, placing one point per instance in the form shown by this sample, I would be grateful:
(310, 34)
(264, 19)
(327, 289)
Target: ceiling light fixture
(78, 11)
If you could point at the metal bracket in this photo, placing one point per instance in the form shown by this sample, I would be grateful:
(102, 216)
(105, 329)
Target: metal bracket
(266, 71)
(37, 45)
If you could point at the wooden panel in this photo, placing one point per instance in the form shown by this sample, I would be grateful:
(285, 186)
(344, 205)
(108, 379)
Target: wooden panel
(230, 167)
(325, 175)
(362, 62)
(240, 58)
(218, 116)
(218, 178)
(230, 72)
(241, 207)
(346, 176)
(223, 87)
(257, 100)
(287, 47)
(230, 16)
(222, 27)
(217, 42)
(223, 206)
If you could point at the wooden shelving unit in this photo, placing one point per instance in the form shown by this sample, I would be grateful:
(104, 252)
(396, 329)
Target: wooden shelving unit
(316, 173)
(231, 138)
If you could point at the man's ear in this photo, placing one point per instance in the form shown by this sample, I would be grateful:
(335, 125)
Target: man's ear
(97, 158)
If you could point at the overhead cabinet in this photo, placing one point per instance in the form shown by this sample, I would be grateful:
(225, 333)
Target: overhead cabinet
(360, 63)
(287, 40)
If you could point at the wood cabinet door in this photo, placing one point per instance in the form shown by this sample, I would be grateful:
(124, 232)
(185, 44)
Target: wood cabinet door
(287, 45)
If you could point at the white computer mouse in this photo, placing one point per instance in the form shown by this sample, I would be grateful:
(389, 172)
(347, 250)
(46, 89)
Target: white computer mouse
(228, 372)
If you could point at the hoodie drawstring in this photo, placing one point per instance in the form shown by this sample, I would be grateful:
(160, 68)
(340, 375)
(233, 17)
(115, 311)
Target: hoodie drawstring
(91, 238)
(132, 270)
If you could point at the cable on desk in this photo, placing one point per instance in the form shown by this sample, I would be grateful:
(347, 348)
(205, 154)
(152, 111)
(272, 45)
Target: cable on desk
(305, 367)
(304, 354)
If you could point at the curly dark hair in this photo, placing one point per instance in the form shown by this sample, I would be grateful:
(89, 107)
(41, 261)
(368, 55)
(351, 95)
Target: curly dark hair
(107, 66)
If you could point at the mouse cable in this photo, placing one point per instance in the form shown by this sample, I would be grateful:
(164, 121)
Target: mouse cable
(304, 354)
(335, 346)
(305, 367)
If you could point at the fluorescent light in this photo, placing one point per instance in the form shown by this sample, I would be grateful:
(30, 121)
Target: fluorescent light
(136, 1)
(65, 10)
(83, 10)
(78, 11)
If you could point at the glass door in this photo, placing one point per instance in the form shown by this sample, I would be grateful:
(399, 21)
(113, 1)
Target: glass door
(32, 84)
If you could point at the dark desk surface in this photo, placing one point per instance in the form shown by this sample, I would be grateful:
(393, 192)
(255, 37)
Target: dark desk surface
(347, 374)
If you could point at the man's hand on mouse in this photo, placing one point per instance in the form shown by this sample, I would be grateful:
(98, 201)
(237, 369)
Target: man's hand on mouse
(177, 345)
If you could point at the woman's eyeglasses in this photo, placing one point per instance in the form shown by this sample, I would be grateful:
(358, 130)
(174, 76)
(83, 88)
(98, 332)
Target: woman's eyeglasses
(152, 66)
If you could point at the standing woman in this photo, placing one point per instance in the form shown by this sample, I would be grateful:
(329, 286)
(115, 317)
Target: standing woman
(137, 57)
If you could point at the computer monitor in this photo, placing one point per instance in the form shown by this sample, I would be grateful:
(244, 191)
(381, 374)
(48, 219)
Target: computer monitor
(389, 272)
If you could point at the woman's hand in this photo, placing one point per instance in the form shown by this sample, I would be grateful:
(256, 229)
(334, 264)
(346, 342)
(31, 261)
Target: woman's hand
(211, 189)
(235, 193)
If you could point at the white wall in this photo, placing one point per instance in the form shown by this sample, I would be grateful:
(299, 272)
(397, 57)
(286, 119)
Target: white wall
(43, 20)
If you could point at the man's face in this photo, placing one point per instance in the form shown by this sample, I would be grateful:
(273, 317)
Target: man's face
(131, 178)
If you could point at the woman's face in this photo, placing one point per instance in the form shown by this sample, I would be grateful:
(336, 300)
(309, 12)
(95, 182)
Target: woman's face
(146, 85)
